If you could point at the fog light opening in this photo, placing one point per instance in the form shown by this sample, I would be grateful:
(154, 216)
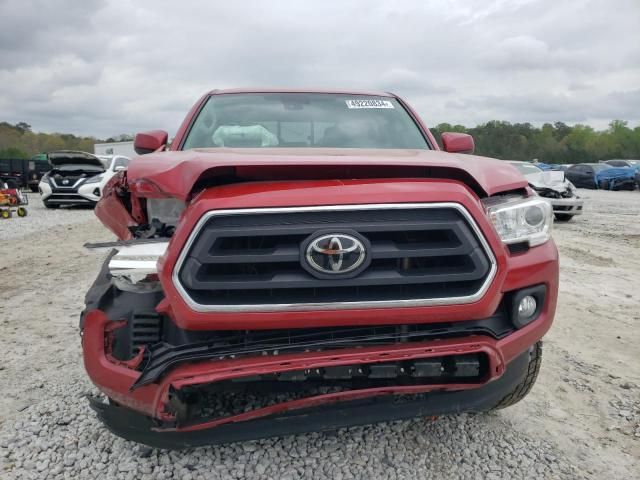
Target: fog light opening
(527, 307)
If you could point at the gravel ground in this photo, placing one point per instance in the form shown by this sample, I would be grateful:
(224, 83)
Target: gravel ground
(582, 419)
(39, 218)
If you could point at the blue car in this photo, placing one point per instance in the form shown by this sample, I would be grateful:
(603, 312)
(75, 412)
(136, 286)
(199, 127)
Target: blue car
(601, 175)
(634, 164)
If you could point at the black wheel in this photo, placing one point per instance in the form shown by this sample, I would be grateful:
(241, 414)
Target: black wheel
(50, 205)
(563, 217)
(522, 389)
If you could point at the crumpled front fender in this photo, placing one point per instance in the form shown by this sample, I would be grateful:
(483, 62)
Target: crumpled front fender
(111, 209)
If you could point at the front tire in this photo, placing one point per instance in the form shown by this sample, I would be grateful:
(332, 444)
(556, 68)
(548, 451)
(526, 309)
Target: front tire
(523, 388)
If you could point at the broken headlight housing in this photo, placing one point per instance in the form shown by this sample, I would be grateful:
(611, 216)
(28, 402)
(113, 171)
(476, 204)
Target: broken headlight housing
(518, 219)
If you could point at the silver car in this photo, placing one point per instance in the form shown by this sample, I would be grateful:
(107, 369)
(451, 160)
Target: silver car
(555, 188)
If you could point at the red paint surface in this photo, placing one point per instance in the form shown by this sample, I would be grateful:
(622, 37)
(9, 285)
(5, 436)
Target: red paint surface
(175, 173)
(457, 142)
(152, 140)
(112, 212)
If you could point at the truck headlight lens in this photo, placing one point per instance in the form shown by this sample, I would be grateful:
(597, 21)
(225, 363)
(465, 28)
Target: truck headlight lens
(96, 179)
(521, 220)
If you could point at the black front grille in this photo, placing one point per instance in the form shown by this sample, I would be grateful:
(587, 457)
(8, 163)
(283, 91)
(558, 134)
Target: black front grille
(60, 179)
(256, 259)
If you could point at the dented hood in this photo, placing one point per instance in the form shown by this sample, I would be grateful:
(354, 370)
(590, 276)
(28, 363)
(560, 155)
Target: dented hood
(177, 173)
(551, 179)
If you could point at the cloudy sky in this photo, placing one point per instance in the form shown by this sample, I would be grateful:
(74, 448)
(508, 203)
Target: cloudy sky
(100, 67)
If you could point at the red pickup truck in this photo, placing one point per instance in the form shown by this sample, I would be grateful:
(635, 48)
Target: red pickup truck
(307, 260)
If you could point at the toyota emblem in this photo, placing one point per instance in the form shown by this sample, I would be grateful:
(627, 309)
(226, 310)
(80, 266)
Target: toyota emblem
(65, 182)
(335, 253)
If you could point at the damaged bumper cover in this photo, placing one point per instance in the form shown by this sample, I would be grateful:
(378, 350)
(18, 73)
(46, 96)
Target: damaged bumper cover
(322, 413)
(562, 199)
(571, 206)
(481, 369)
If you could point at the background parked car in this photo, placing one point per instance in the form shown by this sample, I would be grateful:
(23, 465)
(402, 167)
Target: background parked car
(623, 163)
(78, 177)
(634, 164)
(601, 175)
(554, 188)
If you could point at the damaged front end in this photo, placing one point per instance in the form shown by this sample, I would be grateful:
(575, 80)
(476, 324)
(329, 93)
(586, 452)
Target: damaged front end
(175, 388)
(559, 192)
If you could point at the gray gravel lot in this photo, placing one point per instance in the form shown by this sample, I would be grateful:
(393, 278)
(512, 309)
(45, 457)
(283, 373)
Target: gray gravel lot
(39, 218)
(582, 419)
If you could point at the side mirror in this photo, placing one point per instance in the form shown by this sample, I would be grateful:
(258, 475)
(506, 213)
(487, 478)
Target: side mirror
(453, 142)
(151, 141)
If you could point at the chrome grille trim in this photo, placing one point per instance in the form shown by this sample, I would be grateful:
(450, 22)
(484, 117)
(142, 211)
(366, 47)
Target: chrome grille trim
(197, 307)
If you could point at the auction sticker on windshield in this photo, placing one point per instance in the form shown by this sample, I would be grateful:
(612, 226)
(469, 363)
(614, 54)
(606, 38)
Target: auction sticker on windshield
(369, 103)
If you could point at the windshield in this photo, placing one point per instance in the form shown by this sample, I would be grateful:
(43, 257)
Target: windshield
(311, 120)
(526, 168)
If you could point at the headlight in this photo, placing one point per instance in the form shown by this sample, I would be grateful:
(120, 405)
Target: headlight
(521, 220)
(96, 179)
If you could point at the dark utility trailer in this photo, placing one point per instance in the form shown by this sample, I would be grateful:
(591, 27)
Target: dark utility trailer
(24, 173)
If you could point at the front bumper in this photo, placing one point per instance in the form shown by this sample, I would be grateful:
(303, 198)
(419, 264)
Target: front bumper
(376, 407)
(566, 206)
(84, 194)
(146, 413)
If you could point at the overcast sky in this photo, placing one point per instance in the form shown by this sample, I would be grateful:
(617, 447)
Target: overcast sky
(106, 67)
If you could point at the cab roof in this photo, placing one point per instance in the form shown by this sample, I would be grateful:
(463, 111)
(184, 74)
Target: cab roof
(302, 90)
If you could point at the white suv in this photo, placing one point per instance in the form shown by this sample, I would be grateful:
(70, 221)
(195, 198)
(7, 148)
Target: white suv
(78, 178)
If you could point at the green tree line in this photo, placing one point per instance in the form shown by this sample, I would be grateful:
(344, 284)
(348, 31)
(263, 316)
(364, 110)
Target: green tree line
(19, 141)
(551, 143)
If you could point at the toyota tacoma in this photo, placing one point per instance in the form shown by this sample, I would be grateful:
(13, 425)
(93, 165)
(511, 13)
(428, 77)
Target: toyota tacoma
(308, 260)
